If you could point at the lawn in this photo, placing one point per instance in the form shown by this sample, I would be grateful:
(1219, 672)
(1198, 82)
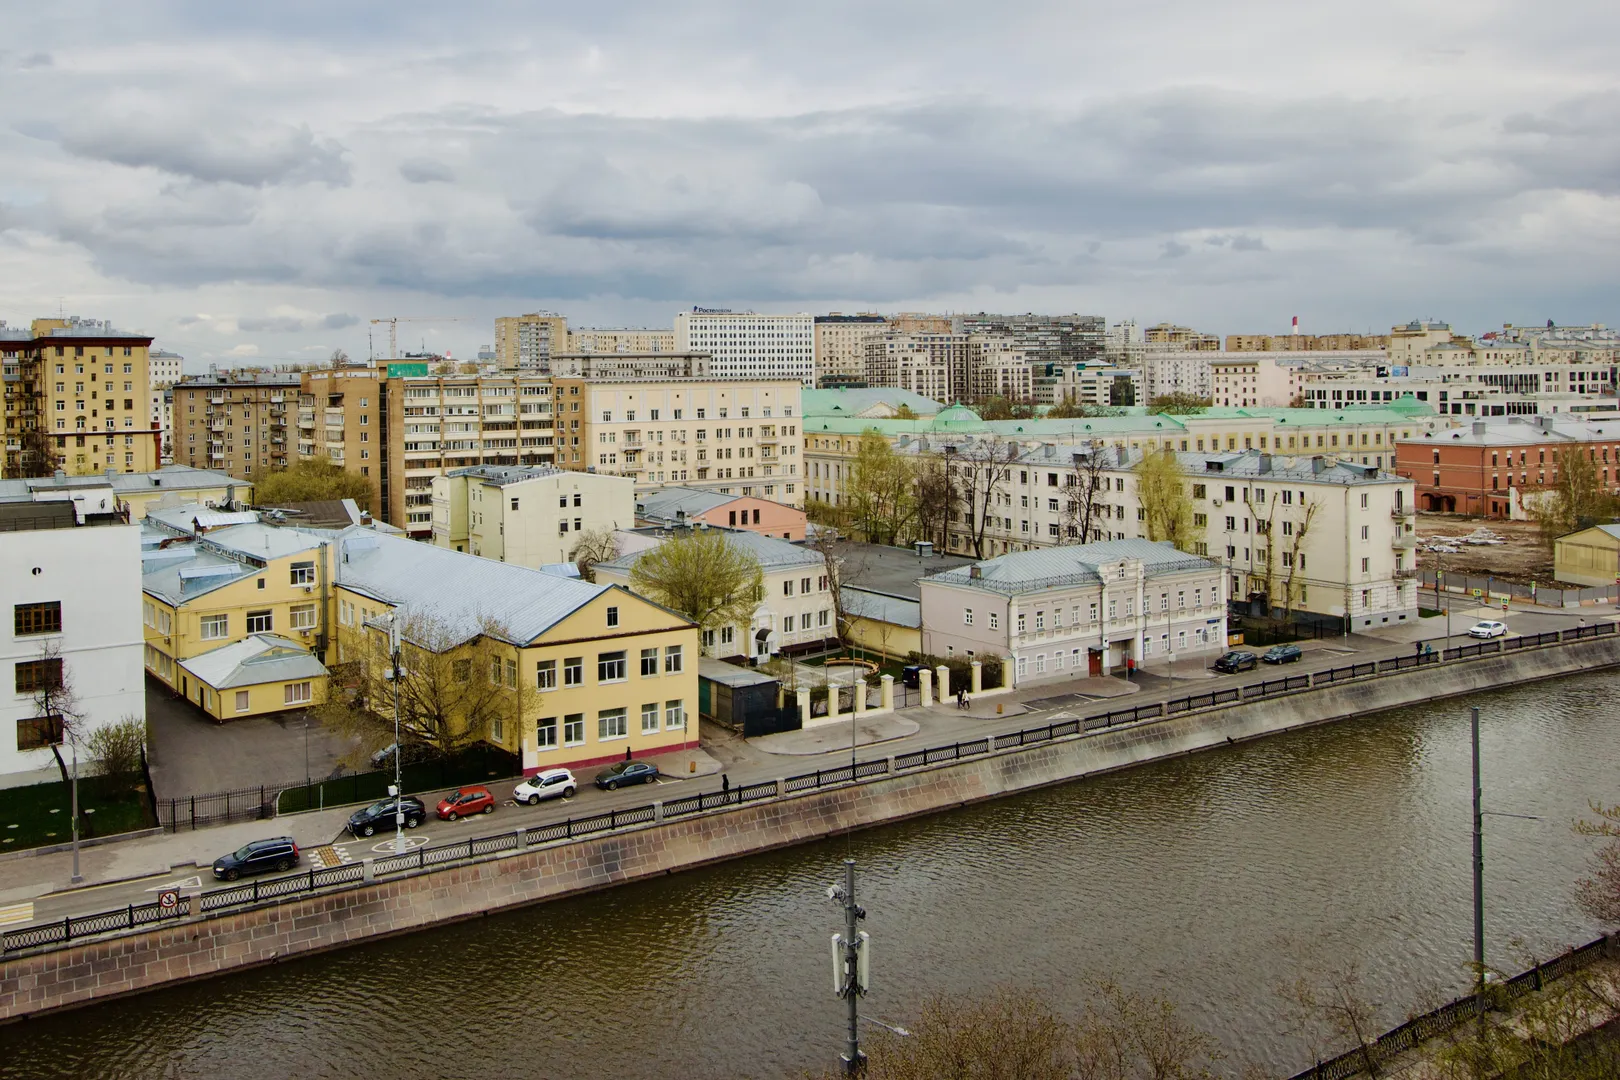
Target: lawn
(41, 814)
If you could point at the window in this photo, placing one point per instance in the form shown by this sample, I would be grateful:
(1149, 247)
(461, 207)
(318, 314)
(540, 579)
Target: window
(612, 724)
(1020, 622)
(1022, 667)
(672, 660)
(215, 627)
(1040, 620)
(260, 622)
(787, 587)
(303, 573)
(613, 616)
(649, 662)
(574, 729)
(649, 718)
(610, 667)
(241, 701)
(461, 670)
(32, 675)
(1366, 565)
(1364, 534)
(301, 616)
(573, 670)
(296, 693)
(995, 620)
(967, 616)
(545, 733)
(674, 714)
(545, 675)
(45, 618)
(35, 732)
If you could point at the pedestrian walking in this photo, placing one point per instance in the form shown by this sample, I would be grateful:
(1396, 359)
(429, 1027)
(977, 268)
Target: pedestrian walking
(725, 782)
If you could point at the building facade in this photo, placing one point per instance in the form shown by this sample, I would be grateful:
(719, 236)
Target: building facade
(676, 507)
(1044, 338)
(527, 342)
(343, 417)
(591, 340)
(841, 344)
(626, 366)
(164, 372)
(531, 516)
(747, 345)
(239, 422)
(1498, 468)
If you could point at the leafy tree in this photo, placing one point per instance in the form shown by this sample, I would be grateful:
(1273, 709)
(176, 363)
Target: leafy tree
(881, 494)
(594, 546)
(1180, 403)
(311, 480)
(1577, 498)
(1001, 408)
(904, 412)
(1162, 491)
(704, 576)
(1072, 408)
(117, 749)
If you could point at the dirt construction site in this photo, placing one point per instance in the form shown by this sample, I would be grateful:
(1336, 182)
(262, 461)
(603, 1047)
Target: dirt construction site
(1511, 550)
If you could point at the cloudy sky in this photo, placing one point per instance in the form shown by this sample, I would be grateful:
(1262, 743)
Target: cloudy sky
(259, 181)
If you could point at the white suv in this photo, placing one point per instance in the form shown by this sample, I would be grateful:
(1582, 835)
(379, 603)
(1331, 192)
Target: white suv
(545, 784)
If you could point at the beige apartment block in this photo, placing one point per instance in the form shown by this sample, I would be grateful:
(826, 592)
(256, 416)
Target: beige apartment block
(342, 416)
(239, 422)
(914, 322)
(841, 343)
(592, 340)
(737, 436)
(1248, 380)
(1408, 343)
(632, 366)
(938, 366)
(528, 342)
(1304, 342)
(77, 398)
(528, 515)
(1184, 337)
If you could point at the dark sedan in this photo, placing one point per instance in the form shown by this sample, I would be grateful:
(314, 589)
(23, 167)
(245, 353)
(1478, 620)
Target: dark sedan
(1237, 660)
(1282, 654)
(627, 772)
(380, 815)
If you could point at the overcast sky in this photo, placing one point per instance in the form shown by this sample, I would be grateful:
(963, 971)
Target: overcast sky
(259, 181)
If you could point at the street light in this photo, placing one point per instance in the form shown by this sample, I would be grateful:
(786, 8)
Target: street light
(398, 789)
(78, 878)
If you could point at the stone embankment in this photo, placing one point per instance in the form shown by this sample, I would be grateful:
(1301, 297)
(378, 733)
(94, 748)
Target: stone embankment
(204, 945)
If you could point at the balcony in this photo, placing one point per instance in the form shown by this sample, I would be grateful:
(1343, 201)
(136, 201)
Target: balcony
(1403, 541)
(1405, 574)
(1402, 513)
(306, 418)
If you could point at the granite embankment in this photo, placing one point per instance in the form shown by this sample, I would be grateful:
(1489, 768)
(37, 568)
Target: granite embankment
(199, 946)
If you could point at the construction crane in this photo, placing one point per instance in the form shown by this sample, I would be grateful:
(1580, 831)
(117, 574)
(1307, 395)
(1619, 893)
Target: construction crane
(393, 327)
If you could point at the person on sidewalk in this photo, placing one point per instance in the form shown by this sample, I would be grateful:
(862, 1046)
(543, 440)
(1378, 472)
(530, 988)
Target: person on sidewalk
(725, 782)
(961, 697)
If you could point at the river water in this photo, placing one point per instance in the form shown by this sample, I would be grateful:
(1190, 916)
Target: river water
(1213, 879)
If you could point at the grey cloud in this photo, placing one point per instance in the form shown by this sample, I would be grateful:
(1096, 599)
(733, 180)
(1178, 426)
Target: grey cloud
(1173, 249)
(1248, 243)
(218, 150)
(35, 60)
(339, 321)
(292, 324)
(426, 171)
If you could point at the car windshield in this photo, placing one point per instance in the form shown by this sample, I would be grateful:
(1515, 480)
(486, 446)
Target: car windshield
(380, 807)
(242, 852)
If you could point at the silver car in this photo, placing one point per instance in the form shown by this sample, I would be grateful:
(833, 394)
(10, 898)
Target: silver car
(545, 784)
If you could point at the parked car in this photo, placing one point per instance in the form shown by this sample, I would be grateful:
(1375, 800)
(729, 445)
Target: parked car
(278, 853)
(1487, 628)
(380, 815)
(1237, 660)
(1282, 654)
(627, 772)
(546, 784)
(464, 802)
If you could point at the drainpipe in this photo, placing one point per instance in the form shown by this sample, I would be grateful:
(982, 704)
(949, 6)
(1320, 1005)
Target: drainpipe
(322, 627)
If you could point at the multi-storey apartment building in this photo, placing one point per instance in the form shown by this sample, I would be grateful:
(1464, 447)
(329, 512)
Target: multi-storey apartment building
(841, 344)
(164, 372)
(343, 417)
(77, 398)
(241, 422)
(1075, 611)
(1305, 342)
(1184, 337)
(71, 616)
(739, 436)
(529, 515)
(1087, 384)
(592, 340)
(1044, 338)
(527, 342)
(1499, 468)
(747, 345)
(628, 366)
(938, 366)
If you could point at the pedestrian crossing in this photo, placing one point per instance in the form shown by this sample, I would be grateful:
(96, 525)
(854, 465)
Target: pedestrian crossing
(11, 914)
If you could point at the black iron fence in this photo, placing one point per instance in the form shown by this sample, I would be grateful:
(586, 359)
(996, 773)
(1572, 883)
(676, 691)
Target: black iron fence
(1418, 1030)
(134, 917)
(218, 807)
(1496, 588)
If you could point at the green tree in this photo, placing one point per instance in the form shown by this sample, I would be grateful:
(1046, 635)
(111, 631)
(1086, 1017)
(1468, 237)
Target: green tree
(1178, 404)
(117, 749)
(1072, 408)
(1577, 498)
(882, 491)
(704, 576)
(311, 480)
(904, 412)
(997, 407)
(1168, 510)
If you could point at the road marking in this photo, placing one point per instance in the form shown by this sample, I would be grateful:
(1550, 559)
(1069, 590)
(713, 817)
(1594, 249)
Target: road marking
(329, 857)
(181, 883)
(17, 913)
(387, 846)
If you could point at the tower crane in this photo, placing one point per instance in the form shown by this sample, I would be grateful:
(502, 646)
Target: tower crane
(393, 322)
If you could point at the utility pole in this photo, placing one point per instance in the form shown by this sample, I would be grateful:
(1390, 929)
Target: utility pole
(77, 878)
(851, 967)
(1479, 860)
(399, 751)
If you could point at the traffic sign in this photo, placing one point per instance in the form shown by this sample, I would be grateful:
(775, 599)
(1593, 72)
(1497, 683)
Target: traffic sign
(169, 900)
(1478, 593)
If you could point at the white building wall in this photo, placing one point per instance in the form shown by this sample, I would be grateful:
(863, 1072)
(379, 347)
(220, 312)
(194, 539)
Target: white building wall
(750, 346)
(94, 571)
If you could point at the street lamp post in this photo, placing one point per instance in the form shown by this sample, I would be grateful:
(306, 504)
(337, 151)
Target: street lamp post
(1479, 859)
(399, 783)
(77, 878)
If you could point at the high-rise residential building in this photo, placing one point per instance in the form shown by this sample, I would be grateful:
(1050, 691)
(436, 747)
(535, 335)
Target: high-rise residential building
(236, 421)
(916, 322)
(342, 417)
(746, 345)
(527, 342)
(1305, 342)
(1045, 338)
(1184, 336)
(841, 345)
(77, 398)
(938, 366)
(632, 366)
(164, 371)
(596, 340)
(737, 436)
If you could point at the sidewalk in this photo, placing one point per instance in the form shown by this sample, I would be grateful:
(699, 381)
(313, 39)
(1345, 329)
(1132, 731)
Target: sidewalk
(829, 737)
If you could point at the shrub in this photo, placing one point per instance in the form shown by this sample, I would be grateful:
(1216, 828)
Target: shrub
(117, 748)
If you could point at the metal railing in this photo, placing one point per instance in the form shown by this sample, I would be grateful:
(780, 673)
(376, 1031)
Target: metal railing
(134, 917)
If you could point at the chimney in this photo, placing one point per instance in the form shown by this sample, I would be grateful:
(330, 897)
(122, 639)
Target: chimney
(1265, 463)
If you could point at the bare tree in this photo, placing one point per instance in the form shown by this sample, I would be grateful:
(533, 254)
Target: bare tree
(1332, 1013)
(984, 467)
(49, 685)
(1082, 499)
(937, 500)
(1297, 557)
(594, 546)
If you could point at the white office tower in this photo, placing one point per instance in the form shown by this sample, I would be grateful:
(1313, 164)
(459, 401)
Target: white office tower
(746, 345)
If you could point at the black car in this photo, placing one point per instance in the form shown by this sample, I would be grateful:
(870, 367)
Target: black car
(627, 772)
(380, 815)
(278, 853)
(1237, 660)
(1282, 654)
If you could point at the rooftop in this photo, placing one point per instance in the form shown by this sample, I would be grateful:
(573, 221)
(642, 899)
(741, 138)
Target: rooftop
(664, 503)
(881, 607)
(1522, 430)
(773, 554)
(258, 658)
(859, 401)
(891, 570)
(168, 478)
(503, 475)
(1027, 571)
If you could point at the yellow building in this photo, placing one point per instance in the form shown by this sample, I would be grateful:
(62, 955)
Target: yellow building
(1588, 557)
(528, 342)
(590, 672)
(77, 398)
(214, 579)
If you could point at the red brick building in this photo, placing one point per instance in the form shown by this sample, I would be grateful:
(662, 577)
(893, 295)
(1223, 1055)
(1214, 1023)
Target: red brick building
(1489, 467)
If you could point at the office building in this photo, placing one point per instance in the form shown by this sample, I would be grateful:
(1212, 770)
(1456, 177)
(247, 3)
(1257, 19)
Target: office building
(592, 340)
(747, 345)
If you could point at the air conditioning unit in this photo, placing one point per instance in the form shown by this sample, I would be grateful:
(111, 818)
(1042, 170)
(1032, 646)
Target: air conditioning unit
(309, 588)
(1218, 502)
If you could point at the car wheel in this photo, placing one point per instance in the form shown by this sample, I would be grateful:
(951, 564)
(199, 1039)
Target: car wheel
(534, 800)
(568, 793)
(284, 865)
(612, 785)
(368, 830)
(232, 875)
(451, 816)
(490, 809)
(412, 822)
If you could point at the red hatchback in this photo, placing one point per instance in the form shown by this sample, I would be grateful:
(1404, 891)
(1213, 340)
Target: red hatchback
(465, 802)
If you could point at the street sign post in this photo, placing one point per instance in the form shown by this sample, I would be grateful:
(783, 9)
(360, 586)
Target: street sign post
(169, 900)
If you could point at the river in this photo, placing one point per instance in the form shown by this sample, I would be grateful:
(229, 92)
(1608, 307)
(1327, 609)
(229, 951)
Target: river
(1213, 879)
